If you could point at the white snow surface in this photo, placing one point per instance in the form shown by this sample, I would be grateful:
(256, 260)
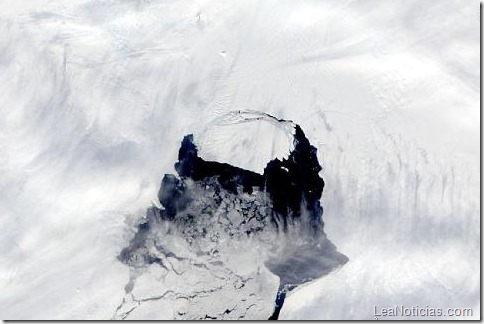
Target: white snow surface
(97, 95)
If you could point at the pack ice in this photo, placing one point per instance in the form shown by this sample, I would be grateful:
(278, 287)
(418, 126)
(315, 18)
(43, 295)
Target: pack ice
(229, 243)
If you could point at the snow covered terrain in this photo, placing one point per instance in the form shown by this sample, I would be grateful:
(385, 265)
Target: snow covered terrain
(96, 96)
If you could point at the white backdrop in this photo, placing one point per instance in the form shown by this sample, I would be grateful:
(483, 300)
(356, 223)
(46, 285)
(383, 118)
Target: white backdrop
(95, 97)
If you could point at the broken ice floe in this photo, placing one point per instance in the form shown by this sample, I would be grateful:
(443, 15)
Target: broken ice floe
(229, 243)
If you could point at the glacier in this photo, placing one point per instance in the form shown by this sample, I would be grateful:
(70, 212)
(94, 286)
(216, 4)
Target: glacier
(97, 95)
(226, 241)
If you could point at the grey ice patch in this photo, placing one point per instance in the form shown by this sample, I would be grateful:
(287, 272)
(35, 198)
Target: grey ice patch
(228, 242)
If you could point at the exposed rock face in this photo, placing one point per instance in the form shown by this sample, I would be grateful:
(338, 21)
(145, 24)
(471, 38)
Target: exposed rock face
(229, 242)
